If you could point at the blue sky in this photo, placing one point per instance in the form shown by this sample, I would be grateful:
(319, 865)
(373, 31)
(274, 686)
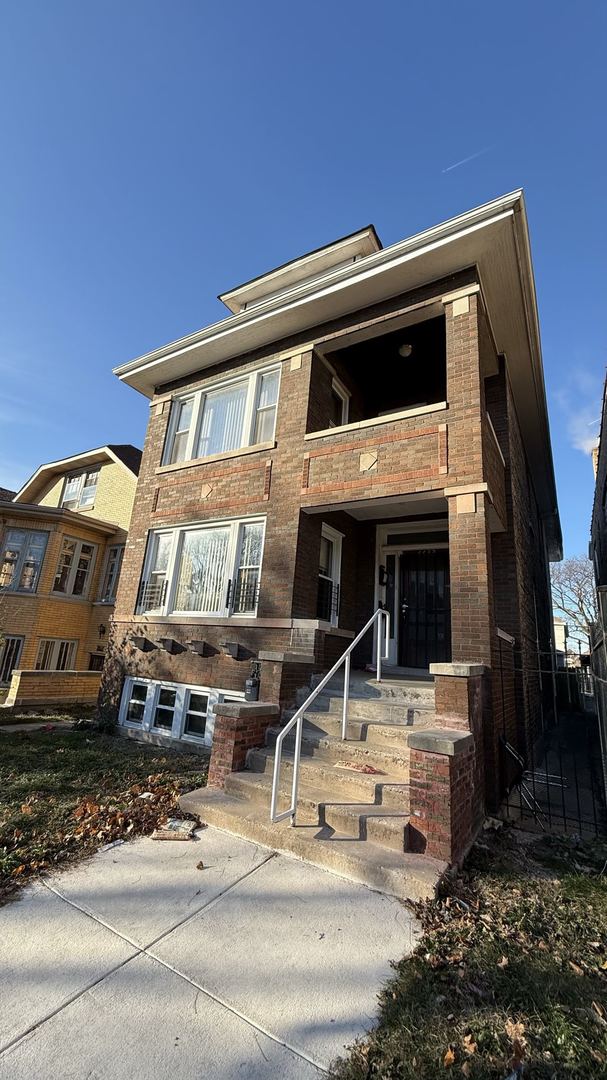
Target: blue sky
(155, 154)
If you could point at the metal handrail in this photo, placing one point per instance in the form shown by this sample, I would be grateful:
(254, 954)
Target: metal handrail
(297, 718)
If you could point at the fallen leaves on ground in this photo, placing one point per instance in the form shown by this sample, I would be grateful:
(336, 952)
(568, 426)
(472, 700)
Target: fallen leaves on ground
(67, 794)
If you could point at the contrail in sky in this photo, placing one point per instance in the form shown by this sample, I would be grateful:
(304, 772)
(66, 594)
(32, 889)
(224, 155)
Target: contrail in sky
(465, 160)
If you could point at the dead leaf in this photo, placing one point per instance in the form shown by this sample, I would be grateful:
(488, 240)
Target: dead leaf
(26, 808)
(449, 1058)
(469, 1044)
(466, 1068)
(503, 963)
(200, 865)
(576, 967)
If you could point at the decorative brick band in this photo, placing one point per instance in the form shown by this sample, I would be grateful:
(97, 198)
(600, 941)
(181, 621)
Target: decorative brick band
(239, 727)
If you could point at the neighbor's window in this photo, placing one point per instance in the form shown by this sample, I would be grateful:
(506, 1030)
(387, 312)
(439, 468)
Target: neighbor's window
(22, 555)
(80, 489)
(75, 567)
(203, 569)
(55, 654)
(241, 412)
(111, 574)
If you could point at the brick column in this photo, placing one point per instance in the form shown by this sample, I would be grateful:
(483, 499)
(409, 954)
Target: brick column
(446, 803)
(470, 574)
(239, 727)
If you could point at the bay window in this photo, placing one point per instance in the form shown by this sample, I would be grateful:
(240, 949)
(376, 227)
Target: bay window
(75, 567)
(207, 570)
(240, 412)
(22, 555)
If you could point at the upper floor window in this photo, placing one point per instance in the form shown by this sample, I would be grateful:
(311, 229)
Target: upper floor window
(339, 405)
(80, 489)
(75, 567)
(203, 569)
(111, 573)
(238, 413)
(22, 556)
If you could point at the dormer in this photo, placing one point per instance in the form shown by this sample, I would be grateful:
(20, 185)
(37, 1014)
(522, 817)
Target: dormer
(311, 267)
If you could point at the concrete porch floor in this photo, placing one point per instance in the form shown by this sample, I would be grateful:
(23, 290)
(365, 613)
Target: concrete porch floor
(137, 964)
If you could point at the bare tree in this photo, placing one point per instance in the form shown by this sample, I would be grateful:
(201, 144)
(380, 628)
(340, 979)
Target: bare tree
(574, 595)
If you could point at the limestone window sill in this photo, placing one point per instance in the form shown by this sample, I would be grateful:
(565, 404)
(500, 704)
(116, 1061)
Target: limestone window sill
(226, 456)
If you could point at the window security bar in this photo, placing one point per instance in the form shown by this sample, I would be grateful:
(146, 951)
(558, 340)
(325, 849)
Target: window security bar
(151, 595)
(382, 645)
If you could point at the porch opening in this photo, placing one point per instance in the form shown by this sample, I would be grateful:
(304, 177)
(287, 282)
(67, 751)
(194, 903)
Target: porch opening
(405, 369)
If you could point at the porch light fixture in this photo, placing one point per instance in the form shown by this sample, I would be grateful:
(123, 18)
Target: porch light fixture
(405, 350)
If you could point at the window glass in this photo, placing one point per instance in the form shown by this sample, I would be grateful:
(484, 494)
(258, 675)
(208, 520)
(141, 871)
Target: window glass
(266, 407)
(196, 714)
(10, 654)
(83, 569)
(68, 550)
(22, 559)
(136, 706)
(202, 570)
(56, 655)
(87, 495)
(71, 493)
(247, 578)
(182, 430)
(165, 708)
(109, 586)
(221, 428)
(326, 556)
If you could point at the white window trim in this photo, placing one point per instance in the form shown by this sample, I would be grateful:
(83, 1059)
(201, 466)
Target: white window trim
(344, 395)
(177, 730)
(336, 539)
(104, 572)
(253, 380)
(232, 563)
(81, 476)
(68, 591)
(56, 646)
(4, 649)
(21, 559)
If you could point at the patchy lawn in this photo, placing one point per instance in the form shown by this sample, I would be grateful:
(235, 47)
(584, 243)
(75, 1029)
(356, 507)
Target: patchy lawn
(510, 978)
(64, 794)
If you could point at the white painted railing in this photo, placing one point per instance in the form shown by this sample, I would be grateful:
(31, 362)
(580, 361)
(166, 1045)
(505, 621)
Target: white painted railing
(382, 644)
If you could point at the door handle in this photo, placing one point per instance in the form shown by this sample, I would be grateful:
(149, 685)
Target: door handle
(403, 608)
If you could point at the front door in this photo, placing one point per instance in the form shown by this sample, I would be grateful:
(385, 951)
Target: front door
(425, 614)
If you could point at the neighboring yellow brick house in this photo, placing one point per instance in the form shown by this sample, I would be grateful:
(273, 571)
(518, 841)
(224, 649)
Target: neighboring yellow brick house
(62, 538)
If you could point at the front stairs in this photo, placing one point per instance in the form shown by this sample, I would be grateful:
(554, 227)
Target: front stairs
(353, 804)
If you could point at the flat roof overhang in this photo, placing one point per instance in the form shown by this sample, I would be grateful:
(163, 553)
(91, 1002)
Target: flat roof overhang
(494, 238)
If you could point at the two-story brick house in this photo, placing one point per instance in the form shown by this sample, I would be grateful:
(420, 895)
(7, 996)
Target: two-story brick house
(368, 427)
(364, 420)
(62, 542)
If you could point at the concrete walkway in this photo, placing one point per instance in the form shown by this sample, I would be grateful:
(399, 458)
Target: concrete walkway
(138, 965)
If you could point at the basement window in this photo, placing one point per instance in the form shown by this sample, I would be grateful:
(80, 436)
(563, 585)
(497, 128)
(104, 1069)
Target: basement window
(177, 710)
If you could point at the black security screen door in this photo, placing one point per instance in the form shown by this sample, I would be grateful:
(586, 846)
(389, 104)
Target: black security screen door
(425, 618)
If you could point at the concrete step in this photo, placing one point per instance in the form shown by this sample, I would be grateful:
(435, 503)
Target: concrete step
(382, 825)
(372, 732)
(332, 785)
(325, 772)
(389, 757)
(404, 875)
(364, 686)
(379, 710)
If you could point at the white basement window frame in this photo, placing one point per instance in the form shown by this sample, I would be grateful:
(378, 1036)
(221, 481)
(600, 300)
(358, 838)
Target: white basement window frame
(224, 417)
(229, 555)
(182, 711)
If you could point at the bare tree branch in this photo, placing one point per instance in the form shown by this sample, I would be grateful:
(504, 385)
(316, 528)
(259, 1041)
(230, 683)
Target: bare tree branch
(573, 593)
